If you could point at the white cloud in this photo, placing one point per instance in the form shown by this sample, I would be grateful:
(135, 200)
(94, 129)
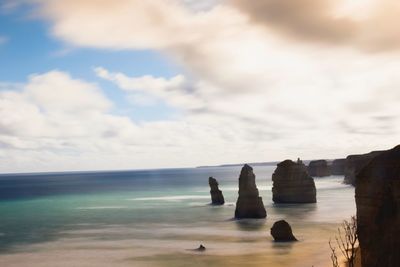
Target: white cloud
(150, 20)
(54, 105)
(149, 83)
(57, 116)
(42, 127)
(57, 92)
(175, 91)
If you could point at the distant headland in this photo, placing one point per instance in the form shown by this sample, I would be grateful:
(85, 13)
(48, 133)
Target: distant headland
(269, 163)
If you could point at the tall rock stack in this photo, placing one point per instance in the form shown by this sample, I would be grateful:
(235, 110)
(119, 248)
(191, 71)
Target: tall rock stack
(216, 195)
(318, 168)
(292, 184)
(378, 210)
(355, 163)
(249, 204)
(337, 167)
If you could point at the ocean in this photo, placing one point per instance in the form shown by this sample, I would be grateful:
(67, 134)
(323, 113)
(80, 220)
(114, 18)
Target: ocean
(157, 217)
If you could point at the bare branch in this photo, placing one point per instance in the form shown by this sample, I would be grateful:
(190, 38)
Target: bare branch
(346, 241)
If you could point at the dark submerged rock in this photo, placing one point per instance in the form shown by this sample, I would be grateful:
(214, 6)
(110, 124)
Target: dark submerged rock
(201, 248)
(292, 184)
(318, 168)
(249, 204)
(378, 210)
(337, 167)
(282, 232)
(355, 163)
(216, 195)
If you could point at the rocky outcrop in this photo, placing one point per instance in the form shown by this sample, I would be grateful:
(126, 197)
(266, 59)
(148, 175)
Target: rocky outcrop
(216, 195)
(318, 168)
(249, 204)
(201, 248)
(355, 163)
(292, 184)
(378, 210)
(337, 166)
(282, 232)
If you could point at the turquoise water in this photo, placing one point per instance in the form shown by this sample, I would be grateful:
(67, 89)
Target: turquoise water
(155, 218)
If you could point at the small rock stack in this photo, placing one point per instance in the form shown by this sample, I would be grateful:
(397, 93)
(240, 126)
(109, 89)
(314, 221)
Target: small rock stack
(216, 195)
(282, 232)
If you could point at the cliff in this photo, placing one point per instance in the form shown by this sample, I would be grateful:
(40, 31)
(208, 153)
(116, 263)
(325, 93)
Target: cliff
(355, 163)
(378, 210)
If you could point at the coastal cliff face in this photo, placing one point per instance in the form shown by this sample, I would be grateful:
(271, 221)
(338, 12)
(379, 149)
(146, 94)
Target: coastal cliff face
(292, 184)
(337, 166)
(249, 204)
(378, 210)
(318, 168)
(216, 195)
(355, 163)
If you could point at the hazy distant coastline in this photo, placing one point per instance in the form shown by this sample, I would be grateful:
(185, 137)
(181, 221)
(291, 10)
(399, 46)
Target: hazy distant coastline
(270, 163)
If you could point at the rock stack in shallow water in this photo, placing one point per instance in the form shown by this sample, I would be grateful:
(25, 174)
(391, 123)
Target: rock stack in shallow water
(249, 204)
(337, 167)
(292, 184)
(282, 232)
(216, 195)
(378, 210)
(318, 168)
(355, 163)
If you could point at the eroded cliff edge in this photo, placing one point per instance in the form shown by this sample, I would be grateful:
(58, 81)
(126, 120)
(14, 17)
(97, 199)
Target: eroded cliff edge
(378, 210)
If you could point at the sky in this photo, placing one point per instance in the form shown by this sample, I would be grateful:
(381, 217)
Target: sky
(132, 84)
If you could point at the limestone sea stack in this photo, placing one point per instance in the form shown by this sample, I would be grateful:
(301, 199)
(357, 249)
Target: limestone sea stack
(292, 183)
(378, 210)
(337, 166)
(355, 163)
(249, 204)
(216, 195)
(318, 168)
(282, 232)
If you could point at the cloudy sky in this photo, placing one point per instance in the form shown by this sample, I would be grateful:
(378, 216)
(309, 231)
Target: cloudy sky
(133, 84)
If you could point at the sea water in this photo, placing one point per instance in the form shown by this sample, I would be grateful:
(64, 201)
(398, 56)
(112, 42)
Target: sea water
(158, 218)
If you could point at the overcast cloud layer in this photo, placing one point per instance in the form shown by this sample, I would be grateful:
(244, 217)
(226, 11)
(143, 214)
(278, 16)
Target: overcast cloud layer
(262, 80)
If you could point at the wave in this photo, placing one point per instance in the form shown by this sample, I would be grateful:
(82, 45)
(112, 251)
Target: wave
(331, 183)
(170, 198)
(235, 189)
(101, 207)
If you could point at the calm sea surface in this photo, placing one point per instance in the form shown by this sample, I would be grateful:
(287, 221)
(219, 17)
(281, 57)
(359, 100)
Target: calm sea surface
(155, 218)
